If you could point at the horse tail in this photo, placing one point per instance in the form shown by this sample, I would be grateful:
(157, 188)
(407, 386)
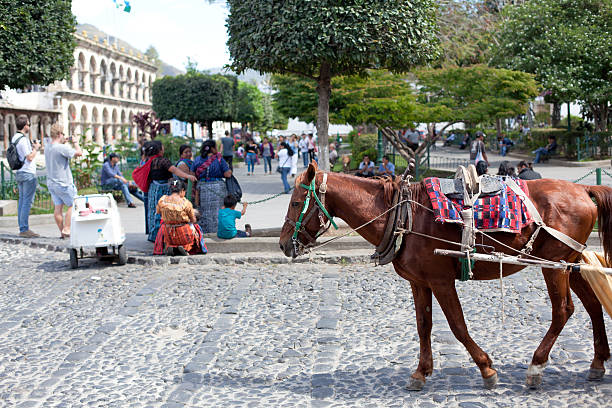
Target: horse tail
(603, 198)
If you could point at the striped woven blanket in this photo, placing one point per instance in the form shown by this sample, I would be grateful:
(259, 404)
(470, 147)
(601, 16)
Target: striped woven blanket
(501, 212)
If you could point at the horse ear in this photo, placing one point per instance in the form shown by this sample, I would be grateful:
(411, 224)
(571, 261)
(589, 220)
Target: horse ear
(311, 172)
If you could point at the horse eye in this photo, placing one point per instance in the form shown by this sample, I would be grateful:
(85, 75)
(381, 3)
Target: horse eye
(295, 203)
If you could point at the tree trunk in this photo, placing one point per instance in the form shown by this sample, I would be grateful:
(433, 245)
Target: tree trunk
(600, 115)
(193, 128)
(209, 127)
(324, 91)
(498, 127)
(556, 114)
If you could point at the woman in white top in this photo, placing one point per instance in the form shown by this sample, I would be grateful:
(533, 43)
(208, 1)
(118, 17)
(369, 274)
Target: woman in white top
(285, 159)
(294, 159)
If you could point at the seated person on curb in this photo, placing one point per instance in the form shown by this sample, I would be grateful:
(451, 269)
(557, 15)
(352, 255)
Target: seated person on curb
(112, 179)
(366, 168)
(227, 219)
(386, 168)
(178, 231)
(546, 151)
(504, 144)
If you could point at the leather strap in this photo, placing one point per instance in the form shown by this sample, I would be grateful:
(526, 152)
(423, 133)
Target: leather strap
(567, 240)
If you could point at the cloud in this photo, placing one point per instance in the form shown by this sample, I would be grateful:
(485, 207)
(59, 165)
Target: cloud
(177, 28)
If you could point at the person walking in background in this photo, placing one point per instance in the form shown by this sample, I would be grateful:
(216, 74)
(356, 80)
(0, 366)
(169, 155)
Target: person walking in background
(284, 155)
(59, 177)
(477, 150)
(333, 155)
(303, 145)
(25, 175)
(228, 149)
(251, 156)
(267, 152)
(111, 178)
(294, 144)
(526, 172)
(227, 220)
(311, 147)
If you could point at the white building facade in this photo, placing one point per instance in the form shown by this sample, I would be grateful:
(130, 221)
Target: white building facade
(107, 87)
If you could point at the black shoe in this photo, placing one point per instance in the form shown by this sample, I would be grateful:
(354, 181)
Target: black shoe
(131, 205)
(181, 251)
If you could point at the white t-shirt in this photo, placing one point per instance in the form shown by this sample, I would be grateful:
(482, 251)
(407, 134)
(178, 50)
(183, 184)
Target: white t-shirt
(24, 147)
(284, 160)
(303, 145)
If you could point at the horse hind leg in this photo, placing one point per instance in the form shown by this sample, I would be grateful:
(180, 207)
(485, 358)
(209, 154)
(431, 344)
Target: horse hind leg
(422, 305)
(557, 283)
(600, 339)
(451, 306)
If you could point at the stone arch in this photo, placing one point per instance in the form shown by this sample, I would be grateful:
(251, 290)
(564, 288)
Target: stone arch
(114, 79)
(93, 73)
(106, 126)
(129, 81)
(122, 80)
(72, 120)
(85, 123)
(96, 126)
(115, 126)
(132, 130)
(103, 77)
(81, 71)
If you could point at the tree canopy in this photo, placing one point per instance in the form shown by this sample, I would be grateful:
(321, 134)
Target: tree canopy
(321, 39)
(249, 104)
(567, 44)
(475, 94)
(195, 98)
(36, 42)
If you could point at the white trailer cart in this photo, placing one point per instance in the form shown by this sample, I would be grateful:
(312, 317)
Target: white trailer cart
(96, 224)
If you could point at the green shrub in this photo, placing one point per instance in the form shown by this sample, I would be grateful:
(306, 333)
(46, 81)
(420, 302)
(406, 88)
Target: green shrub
(364, 144)
(172, 145)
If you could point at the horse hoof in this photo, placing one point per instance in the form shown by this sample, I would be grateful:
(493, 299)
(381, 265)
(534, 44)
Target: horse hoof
(491, 382)
(534, 381)
(415, 384)
(596, 374)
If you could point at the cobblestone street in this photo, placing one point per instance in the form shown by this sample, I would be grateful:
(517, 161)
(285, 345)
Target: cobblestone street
(266, 336)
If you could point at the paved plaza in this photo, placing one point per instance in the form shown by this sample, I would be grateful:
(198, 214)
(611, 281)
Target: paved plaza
(266, 336)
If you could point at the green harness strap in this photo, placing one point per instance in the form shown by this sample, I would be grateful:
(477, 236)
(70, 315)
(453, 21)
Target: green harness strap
(311, 192)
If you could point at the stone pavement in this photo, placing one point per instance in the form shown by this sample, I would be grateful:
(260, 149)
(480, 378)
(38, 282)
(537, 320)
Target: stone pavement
(308, 335)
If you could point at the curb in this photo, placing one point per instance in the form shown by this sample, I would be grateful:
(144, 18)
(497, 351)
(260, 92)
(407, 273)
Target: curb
(39, 219)
(563, 163)
(219, 259)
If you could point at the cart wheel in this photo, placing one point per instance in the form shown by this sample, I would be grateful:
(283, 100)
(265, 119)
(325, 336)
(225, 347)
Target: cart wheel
(74, 259)
(122, 255)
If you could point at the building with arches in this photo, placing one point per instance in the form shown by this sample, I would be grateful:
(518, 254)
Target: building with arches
(108, 85)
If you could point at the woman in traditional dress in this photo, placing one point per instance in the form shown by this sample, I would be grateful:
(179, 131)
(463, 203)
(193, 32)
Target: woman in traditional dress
(161, 170)
(185, 162)
(211, 171)
(178, 232)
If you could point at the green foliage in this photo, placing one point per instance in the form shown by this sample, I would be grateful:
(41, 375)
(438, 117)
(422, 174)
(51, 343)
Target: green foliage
(195, 98)
(364, 144)
(567, 44)
(350, 35)
(272, 118)
(153, 55)
(126, 149)
(172, 145)
(36, 42)
(87, 167)
(249, 104)
(477, 94)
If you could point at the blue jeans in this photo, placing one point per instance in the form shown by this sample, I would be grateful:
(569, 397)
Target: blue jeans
(251, 159)
(26, 183)
(284, 172)
(539, 152)
(503, 149)
(305, 158)
(117, 184)
(267, 164)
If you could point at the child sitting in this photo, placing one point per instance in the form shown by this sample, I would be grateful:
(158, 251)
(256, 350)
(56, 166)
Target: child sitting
(227, 219)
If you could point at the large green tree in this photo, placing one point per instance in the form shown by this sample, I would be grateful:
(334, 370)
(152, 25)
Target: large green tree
(249, 105)
(474, 95)
(321, 39)
(567, 44)
(36, 42)
(195, 98)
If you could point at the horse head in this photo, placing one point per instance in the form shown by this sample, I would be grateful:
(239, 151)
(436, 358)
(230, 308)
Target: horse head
(302, 227)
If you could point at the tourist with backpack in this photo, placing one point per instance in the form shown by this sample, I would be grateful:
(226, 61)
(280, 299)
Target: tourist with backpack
(20, 155)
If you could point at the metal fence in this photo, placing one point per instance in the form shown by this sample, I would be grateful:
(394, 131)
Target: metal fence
(9, 190)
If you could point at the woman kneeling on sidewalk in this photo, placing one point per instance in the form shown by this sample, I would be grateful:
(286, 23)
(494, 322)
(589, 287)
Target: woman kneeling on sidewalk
(178, 232)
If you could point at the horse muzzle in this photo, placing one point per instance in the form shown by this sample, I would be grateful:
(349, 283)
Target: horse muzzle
(288, 249)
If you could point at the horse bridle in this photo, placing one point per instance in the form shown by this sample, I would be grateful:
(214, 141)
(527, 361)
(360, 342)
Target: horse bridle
(306, 214)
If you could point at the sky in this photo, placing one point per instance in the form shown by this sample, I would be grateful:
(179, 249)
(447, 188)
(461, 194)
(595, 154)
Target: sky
(176, 28)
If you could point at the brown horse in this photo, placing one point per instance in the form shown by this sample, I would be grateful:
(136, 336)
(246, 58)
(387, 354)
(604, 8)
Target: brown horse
(564, 206)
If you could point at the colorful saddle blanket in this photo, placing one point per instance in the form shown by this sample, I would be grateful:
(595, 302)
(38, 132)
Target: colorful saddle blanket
(501, 212)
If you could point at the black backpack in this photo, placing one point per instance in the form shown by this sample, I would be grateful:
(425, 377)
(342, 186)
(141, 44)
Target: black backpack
(12, 156)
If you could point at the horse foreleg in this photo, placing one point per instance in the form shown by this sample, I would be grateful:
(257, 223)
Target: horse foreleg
(422, 306)
(600, 339)
(449, 302)
(557, 282)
